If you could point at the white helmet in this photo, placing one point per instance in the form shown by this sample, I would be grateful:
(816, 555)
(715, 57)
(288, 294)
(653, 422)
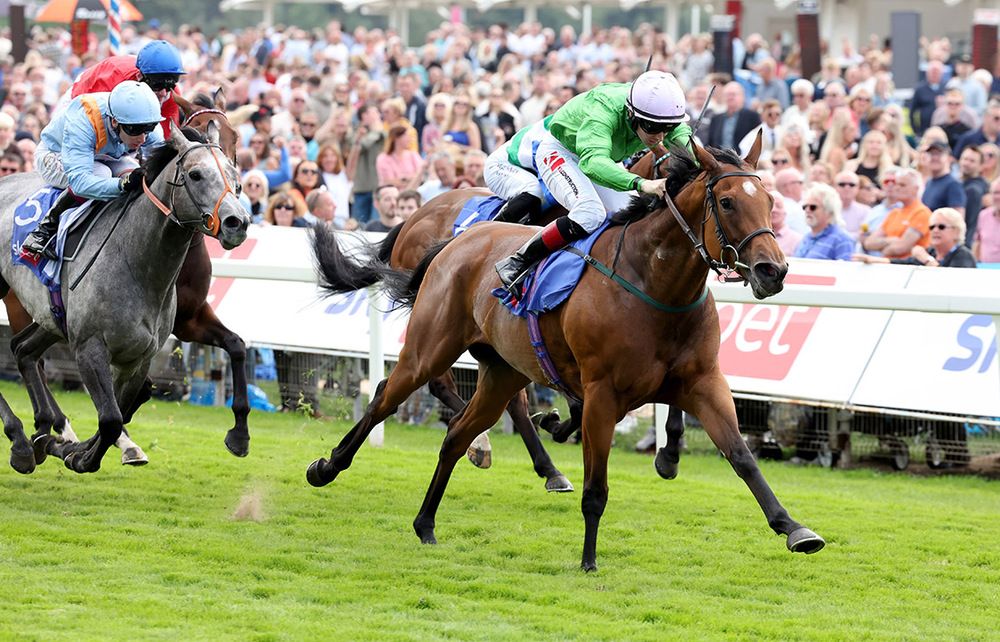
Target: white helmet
(657, 97)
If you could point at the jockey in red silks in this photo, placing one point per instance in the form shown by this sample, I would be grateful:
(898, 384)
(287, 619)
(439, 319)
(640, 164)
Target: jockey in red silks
(158, 65)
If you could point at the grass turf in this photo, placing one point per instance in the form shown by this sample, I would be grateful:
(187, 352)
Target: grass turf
(155, 552)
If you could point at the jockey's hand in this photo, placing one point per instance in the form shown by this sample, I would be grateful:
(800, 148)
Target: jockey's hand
(657, 187)
(132, 182)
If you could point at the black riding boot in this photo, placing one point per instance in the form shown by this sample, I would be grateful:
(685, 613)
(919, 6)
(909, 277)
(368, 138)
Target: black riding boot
(524, 209)
(39, 241)
(514, 269)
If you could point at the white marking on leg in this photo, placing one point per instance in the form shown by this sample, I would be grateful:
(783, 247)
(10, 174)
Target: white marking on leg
(749, 188)
(67, 434)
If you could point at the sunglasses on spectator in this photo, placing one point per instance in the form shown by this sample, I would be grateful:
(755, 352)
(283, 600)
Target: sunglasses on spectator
(284, 206)
(780, 161)
(847, 184)
(308, 170)
(9, 169)
(138, 129)
(159, 84)
(811, 207)
(938, 226)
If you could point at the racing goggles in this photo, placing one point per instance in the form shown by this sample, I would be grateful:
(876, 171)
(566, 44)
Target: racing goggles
(159, 83)
(652, 127)
(138, 129)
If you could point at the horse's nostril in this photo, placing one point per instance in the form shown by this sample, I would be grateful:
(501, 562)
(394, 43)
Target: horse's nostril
(234, 223)
(769, 271)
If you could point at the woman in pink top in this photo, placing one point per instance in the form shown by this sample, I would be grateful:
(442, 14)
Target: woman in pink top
(397, 165)
(986, 246)
(788, 239)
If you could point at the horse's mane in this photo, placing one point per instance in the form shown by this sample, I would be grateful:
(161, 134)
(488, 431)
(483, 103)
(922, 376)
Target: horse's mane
(162, 156)
(682, 168)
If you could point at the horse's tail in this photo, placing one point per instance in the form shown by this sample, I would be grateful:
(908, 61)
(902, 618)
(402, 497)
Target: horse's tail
(339, 272)
(402, 286)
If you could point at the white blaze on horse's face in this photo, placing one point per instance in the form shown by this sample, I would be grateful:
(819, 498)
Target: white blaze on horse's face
(749, 188)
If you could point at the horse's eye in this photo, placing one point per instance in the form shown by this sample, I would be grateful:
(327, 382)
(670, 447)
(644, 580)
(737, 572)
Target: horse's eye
(726, 202)
(195, 174)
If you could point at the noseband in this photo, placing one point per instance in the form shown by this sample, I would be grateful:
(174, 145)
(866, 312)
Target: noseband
(727, 270)
(209, 222)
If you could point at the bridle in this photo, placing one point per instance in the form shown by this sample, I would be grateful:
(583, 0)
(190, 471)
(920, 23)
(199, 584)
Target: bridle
(200, 112)
(209, 222)
(727, 271)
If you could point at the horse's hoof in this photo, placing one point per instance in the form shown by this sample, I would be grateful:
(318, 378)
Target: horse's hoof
(425, 533)
(134, 457)
(23, 461)
(558, 484)
(237, 444)
(315, 475)
(547, 421)
(664, 467)
(40, 446)
(588, 566)
(480, 458)
(803, 540)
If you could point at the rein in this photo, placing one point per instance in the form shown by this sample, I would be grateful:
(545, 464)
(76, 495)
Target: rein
(209, 222)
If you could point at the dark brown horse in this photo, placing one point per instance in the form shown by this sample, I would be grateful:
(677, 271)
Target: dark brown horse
(614, 349)
(194, 320)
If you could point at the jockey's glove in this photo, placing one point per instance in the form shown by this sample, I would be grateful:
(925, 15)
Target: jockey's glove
(132, 182)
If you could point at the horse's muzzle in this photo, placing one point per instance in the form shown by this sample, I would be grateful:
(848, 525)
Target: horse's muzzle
(233, 231)
(767, 278)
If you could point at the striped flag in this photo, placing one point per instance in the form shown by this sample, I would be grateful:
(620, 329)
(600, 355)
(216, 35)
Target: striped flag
(114, 28)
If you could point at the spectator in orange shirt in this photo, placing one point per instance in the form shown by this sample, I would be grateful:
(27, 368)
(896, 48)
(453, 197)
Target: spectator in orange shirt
(905, 226)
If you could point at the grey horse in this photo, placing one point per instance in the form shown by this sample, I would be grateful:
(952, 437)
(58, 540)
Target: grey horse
(119, 295)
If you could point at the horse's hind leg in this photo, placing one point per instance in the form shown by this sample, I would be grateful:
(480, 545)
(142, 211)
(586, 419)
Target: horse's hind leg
(22, 455)
(205, 328)
(411, 372)
(443, 388)
(712, 403)
(28, 346)
(555, 481)
(668, 457)
(498, 382)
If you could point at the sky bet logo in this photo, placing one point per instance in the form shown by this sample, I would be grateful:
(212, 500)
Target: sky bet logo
(977, 337)
(763, 341)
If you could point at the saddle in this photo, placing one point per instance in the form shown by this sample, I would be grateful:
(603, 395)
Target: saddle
(75, 226)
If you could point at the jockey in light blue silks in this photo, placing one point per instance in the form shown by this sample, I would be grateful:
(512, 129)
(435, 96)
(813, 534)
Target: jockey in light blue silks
(85, 148)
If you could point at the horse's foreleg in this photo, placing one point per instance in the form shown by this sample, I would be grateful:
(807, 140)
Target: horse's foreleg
(668, 457)
(205, 328)
(95, 370)
(498, 382)
(712, 402)
(599, 418)
(555, 481)
(443, 388)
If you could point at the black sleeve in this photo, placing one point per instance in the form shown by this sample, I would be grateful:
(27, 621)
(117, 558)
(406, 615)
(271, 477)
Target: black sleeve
(962, 258)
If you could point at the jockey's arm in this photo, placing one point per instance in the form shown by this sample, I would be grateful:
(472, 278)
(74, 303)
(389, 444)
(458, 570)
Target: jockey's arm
(78, 148)
(593, 146)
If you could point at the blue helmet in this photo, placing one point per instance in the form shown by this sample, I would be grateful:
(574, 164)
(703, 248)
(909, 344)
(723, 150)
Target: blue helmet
(159, 57)
(134, 103)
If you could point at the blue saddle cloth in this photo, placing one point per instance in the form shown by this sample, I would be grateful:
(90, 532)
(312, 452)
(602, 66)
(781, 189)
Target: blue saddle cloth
(552, 281)
(27, 215)
(476, 210)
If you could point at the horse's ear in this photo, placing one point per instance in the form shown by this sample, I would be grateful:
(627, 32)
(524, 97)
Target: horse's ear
(178, 140)
(705, 159)
(185, 106)
(212, 132)
(219, 98)
(754, 154)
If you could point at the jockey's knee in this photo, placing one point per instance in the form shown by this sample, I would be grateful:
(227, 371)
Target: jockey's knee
(588, 214)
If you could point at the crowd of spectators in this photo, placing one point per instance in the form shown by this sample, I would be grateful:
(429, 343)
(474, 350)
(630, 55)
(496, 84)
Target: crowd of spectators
(351, 128)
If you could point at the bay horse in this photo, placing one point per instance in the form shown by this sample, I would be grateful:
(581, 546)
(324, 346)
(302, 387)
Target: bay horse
(403, 248)
(121, 313)
(615, 349)
(195, 321)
